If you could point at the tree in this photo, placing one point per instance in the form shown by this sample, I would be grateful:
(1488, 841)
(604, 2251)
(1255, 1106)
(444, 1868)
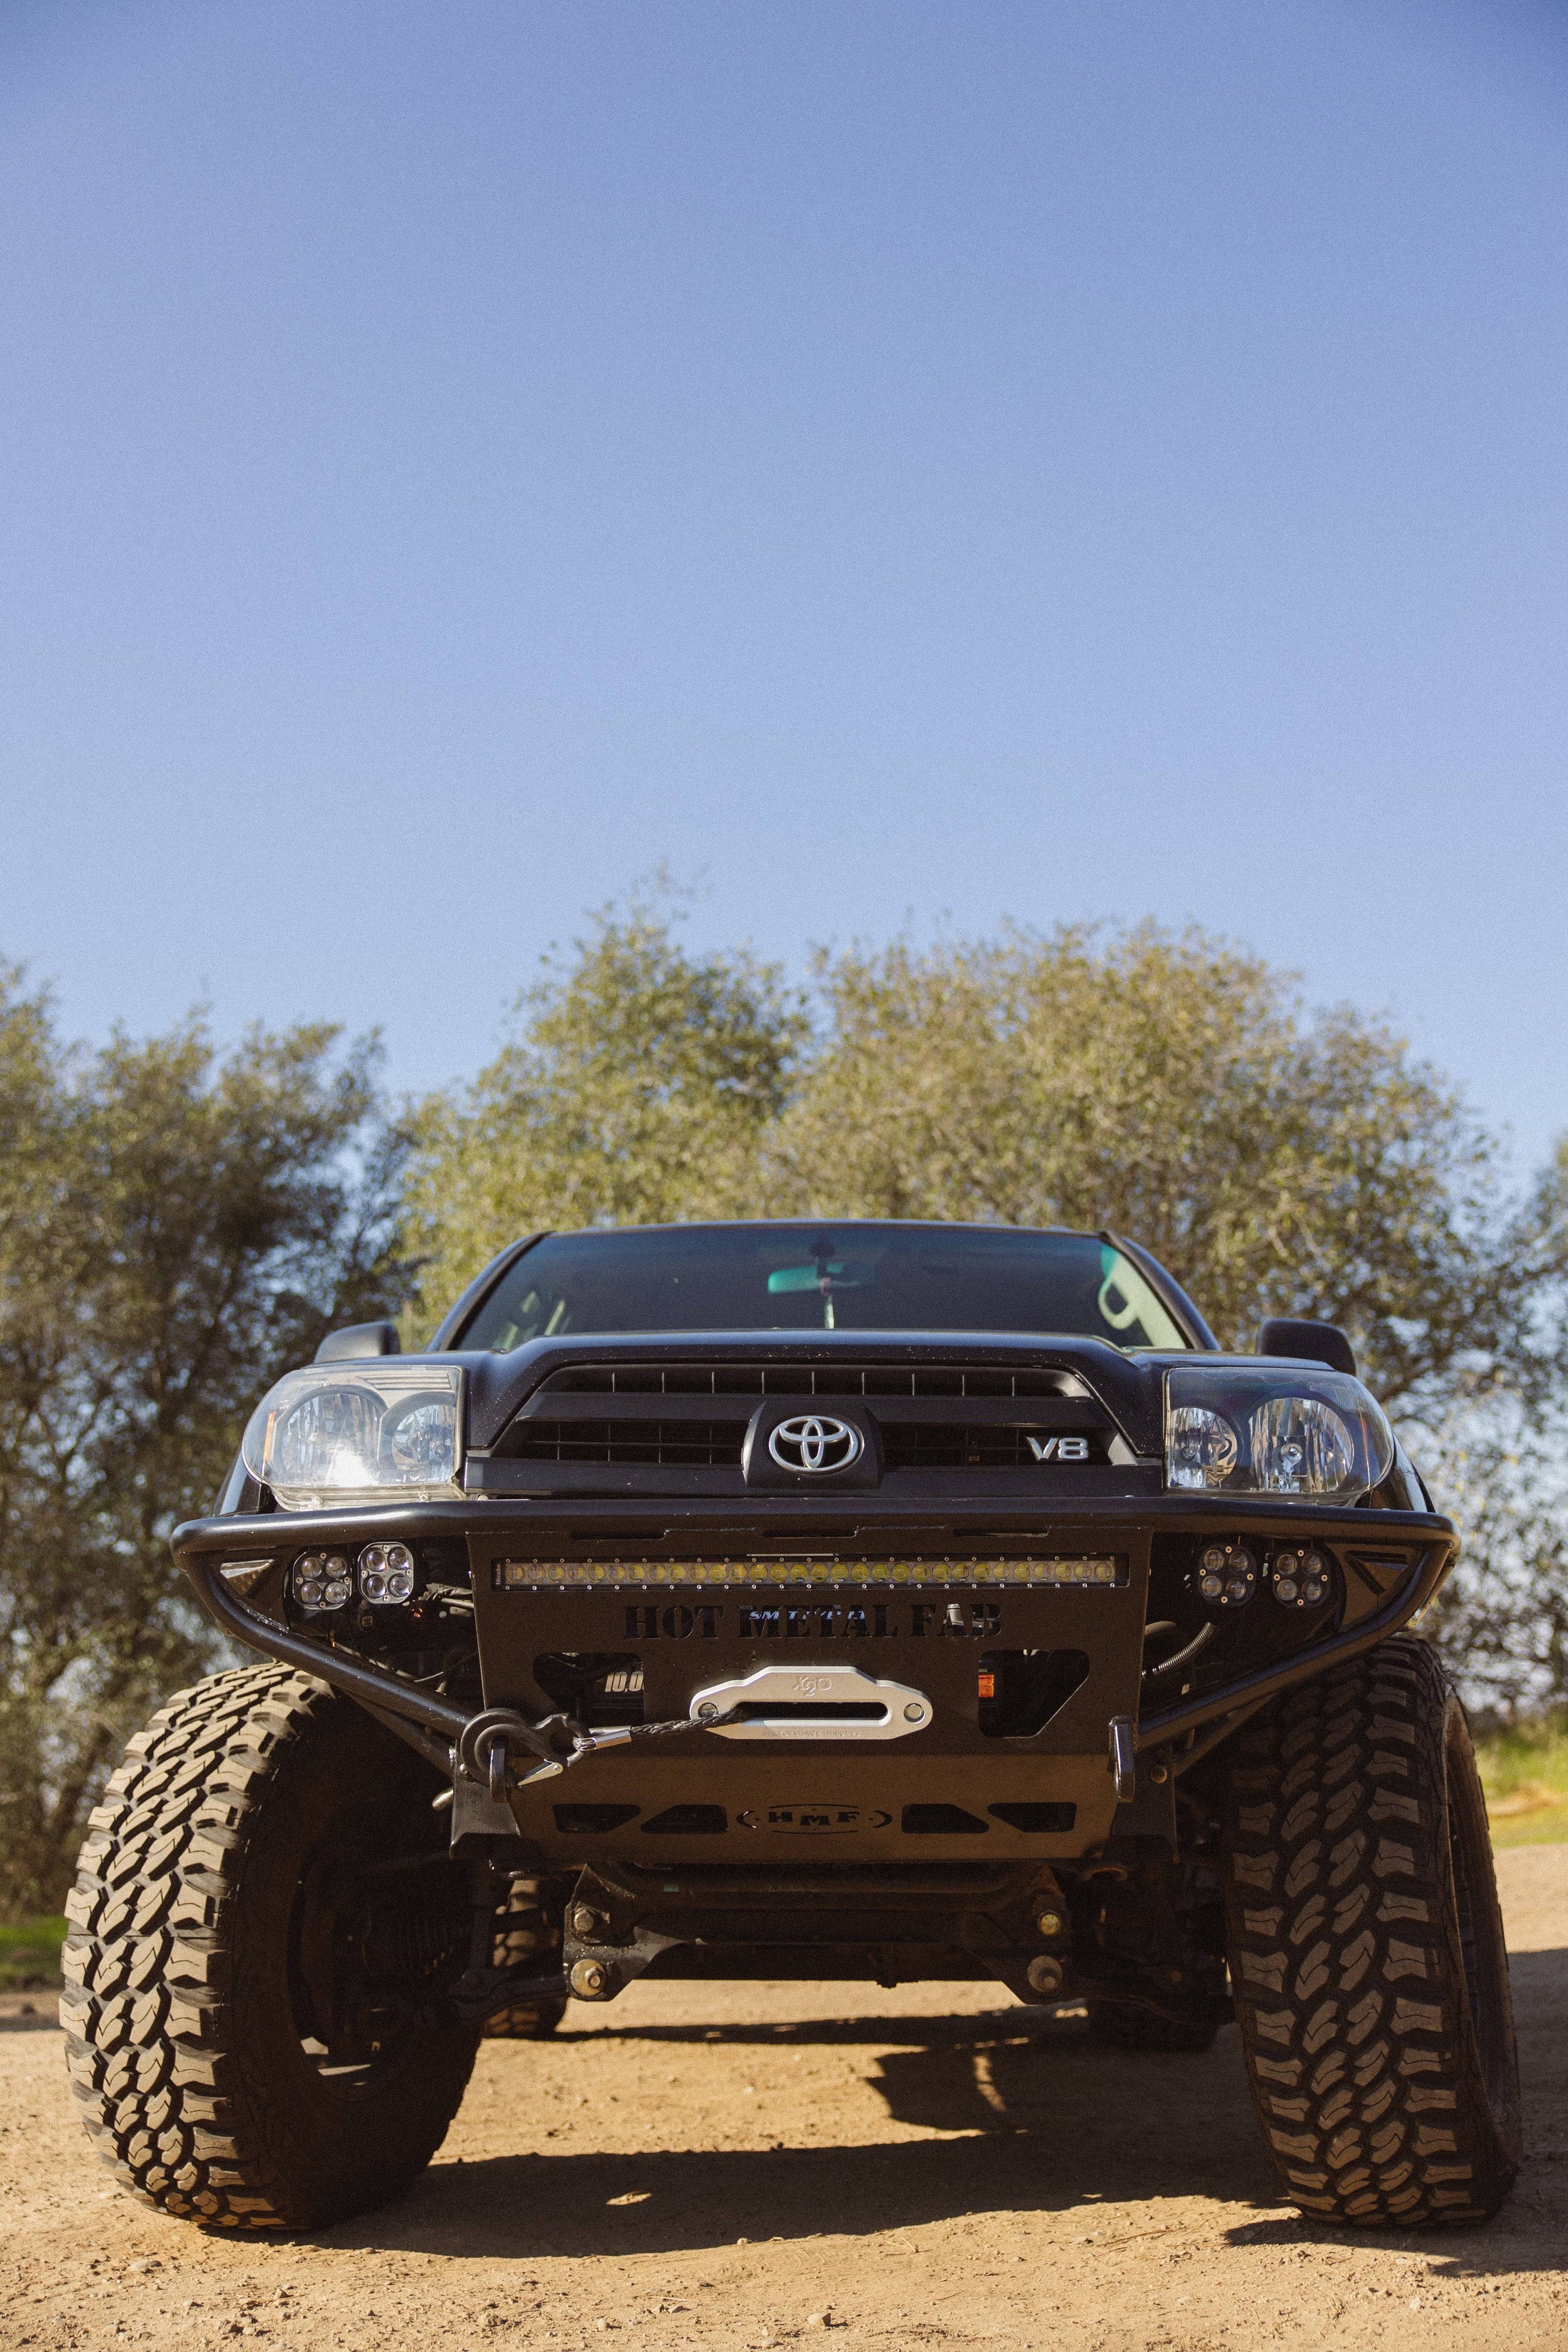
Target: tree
(1176, 1089)
(639, 1090)
(176, 1227)
(1501, 1622)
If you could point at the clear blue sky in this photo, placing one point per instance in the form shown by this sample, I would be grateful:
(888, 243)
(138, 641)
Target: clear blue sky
(897, 462)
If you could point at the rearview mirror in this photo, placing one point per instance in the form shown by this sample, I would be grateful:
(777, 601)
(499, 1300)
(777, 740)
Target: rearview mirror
(1320, 1343)
(359, 1339)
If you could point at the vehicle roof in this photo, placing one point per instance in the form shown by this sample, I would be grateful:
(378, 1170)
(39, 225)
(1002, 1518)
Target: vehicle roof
(900, 1224)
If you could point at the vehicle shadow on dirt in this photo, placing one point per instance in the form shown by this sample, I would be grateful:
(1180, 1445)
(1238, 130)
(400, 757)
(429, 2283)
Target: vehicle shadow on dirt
(1052, 2123)
(1058, 2125)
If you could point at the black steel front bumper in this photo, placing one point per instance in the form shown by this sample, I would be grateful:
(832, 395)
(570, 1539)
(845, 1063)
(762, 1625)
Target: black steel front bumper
(1388, 1565)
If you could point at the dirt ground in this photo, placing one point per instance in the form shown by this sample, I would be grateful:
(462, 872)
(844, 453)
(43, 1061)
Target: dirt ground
(739, 2166)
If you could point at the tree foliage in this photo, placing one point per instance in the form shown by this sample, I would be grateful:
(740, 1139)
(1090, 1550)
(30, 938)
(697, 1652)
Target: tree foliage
(175, 1228)
(640, 1089)
(1500, 1622)
(1175, 1089)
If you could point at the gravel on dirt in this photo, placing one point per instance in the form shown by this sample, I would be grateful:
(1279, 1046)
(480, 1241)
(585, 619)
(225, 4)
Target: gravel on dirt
(738, 2167)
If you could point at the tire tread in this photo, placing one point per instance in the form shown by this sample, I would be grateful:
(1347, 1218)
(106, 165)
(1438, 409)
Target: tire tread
(1349, 1985)
(154, 2036)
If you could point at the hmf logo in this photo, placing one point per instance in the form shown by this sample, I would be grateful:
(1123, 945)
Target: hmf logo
(818, 1818)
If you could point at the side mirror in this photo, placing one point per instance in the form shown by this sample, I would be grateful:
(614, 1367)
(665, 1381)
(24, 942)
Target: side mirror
(359, 1339)
(1320, 1343)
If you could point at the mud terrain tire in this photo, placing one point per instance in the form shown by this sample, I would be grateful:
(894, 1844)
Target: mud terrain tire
(192, 2044)
(1366, 1949)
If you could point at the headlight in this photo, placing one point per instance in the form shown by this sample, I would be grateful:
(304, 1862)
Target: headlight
(1231, 1430)
(338, 1433)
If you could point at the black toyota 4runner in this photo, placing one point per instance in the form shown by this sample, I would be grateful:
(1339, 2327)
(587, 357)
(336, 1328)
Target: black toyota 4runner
(868, 1602)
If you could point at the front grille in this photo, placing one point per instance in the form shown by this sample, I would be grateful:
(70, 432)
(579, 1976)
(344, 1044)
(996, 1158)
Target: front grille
(708, 1444)
(636, 1420)
(806, 1381)
(906, 1446)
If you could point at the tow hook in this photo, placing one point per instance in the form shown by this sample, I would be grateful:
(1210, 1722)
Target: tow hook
(484, 1751)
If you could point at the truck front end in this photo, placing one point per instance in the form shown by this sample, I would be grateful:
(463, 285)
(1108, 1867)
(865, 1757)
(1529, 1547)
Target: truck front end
(860, 1602)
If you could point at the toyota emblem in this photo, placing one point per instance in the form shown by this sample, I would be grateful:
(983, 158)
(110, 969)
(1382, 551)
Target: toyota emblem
(813, 1441)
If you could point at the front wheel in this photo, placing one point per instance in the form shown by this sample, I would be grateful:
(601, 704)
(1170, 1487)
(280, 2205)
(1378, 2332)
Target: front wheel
(264, 1917)
(1366, 1949)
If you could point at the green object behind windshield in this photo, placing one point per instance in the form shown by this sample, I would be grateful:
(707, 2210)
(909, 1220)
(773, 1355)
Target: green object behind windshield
(798, 1277)
(844, 1276)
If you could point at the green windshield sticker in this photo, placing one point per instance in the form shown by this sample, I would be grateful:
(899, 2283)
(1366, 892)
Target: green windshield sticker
(800, 1277)
(829, 1274)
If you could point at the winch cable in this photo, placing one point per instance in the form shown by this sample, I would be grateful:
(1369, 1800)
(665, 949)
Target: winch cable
(483, 1751)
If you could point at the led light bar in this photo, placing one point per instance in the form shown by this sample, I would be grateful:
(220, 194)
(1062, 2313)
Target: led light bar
(596, 1575)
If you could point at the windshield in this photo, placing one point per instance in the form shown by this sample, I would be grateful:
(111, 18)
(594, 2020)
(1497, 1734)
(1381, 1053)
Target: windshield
(837, 1277)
